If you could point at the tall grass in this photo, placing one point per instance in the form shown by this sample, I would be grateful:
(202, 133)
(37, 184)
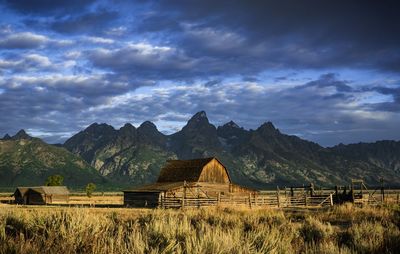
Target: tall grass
(344, 229)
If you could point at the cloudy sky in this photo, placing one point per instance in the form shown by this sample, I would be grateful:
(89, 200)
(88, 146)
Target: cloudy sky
(327, 71)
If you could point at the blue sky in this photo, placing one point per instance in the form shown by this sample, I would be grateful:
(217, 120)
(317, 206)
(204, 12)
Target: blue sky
(327, 72)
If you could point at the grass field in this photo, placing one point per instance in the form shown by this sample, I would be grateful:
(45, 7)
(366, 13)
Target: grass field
(343, 229)
(80, 198)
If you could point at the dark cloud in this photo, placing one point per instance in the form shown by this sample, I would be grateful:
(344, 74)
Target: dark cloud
(250, 79)
(329, 80)
(145, 60)
(158, 23)
(29, 62)
(310, 34)
(46, 7)
(55, 104)
(390, 106)
(25, 40)
(212, 83)
(395, 92)
(89, 23)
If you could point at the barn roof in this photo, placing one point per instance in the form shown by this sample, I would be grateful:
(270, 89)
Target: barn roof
(21, 190)
(48, 190)
(184, 170)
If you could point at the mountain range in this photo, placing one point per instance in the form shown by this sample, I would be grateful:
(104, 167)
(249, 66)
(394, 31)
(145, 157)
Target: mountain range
(25, 160)
(260, 158)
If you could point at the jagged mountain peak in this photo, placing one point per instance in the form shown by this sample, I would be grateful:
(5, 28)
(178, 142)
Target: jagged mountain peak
(127, 131)
(127, 126)
(267, 127)
(99, 126)
(149, 134)
(261, 157)
(6, 137)
(21, 134)
(200, 114)
(199, 117)
(148, 125)
(231, 124)
(99, 129)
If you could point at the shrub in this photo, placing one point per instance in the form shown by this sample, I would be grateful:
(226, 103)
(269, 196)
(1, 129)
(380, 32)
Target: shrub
(315, 231)
(214, 230)
(90, 188)
(367, 237)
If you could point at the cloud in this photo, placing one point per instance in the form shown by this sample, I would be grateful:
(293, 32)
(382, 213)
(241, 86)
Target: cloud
(24, 40)
(54, 103)
(30, 62)
(71, 63)
(390, 106)
(143, 59)
(88, 23)
(319, 110)
(47, 7)
(287, 33)
(99, 40)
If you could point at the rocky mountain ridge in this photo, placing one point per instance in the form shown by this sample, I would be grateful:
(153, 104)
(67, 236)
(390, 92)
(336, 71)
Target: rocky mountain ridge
(258, 158)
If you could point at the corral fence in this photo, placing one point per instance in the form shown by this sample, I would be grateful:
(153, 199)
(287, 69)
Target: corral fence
(306, 196)
(251, 201)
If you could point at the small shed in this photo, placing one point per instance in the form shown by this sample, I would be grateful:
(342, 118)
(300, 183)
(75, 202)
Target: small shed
(41, 195)
(197, 178)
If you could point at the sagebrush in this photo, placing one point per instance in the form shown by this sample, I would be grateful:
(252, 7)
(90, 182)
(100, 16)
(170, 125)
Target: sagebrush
(345, 229)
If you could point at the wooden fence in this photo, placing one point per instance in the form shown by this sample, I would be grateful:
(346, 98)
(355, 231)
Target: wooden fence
(273, 201)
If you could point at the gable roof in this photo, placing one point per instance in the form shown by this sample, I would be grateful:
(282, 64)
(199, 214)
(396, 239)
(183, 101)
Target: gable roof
(22, 190)
(184, 170)
(48, 190)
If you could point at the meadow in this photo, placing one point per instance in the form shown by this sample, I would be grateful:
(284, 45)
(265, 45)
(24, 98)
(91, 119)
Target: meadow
(342, 229)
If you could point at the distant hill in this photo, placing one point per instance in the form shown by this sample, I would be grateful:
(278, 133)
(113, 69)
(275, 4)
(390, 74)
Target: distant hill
(259, 158)
(25, 160)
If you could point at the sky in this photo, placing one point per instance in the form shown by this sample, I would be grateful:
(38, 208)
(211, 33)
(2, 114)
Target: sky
(326, 71)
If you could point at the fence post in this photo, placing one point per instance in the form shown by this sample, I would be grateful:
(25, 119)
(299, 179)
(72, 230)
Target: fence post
(198, 197)
(337, 193)
(219, 198)
(184, 194)
(277, 196)
(250, 200)
(305, 199)
(331, 199)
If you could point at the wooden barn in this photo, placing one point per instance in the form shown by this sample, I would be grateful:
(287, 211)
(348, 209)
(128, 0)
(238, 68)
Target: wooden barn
(41, 195)
(186, 179)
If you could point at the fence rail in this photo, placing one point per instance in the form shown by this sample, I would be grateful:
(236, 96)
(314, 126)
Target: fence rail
(250, 201)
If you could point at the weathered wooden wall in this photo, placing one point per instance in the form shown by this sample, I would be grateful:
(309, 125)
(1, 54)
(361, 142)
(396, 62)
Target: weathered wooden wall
(35, 198)
(57, 199)
(141, 199)
(18, 198)
(214, 172)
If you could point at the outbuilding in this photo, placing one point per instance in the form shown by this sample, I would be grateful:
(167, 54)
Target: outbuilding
(41, 195)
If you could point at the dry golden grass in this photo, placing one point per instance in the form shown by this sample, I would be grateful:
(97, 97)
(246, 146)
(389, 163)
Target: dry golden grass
(344, 229)
(96, 200)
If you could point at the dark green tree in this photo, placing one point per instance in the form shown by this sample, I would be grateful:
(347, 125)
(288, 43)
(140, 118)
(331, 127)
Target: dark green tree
(54, 180)
(90, 188)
